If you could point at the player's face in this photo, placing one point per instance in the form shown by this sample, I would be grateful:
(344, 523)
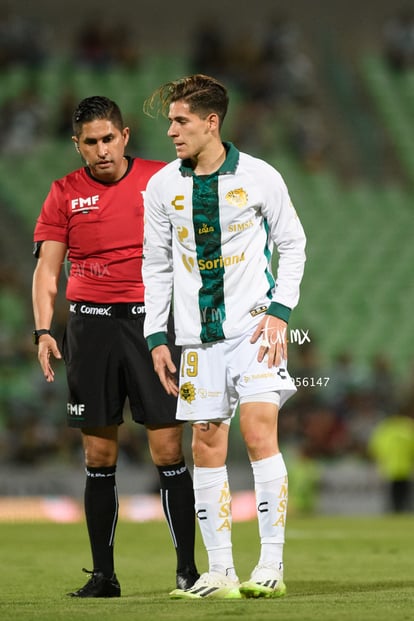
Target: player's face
(190, 133)
(102, 147)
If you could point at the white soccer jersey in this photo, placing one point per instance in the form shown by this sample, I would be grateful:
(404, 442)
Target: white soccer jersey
(208, 242)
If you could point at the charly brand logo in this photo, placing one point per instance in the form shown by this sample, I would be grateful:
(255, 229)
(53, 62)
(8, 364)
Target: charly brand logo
(177, 202)
(238, 197)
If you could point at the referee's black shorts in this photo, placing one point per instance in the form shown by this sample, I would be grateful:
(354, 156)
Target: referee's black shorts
(107, 361)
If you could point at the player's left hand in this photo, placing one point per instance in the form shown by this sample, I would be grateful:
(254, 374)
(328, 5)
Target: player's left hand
(273, 332)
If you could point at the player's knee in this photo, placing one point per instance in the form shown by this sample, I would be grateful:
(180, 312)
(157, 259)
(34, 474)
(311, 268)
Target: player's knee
(206, 455)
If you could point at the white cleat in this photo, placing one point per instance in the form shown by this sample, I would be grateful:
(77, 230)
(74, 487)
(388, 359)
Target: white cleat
(214, 585)
(265, 581)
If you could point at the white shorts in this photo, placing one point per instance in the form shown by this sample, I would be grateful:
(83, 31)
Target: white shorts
(214, 376)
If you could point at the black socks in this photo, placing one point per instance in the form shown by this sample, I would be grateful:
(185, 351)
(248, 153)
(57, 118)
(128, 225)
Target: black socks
(177, 496)
(101, 510)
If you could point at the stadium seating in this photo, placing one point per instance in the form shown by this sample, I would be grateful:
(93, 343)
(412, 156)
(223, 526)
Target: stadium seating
(393, 97)
(355, 292)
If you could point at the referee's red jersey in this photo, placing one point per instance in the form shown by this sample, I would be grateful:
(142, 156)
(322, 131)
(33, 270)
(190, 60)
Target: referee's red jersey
(102, 226)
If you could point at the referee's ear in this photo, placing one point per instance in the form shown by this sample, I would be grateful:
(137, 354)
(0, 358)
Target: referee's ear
(125, 135)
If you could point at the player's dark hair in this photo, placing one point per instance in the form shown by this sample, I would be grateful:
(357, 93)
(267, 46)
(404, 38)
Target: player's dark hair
(96, 108)
(202, 93)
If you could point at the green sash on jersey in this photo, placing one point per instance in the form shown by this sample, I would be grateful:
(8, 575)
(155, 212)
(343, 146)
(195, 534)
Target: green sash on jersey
(207, 230)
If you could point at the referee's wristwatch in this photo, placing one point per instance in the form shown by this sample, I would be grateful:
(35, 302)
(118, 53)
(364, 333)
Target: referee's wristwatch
(37, 333)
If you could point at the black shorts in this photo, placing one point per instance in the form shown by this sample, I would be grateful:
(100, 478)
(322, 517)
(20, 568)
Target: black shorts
(107, 361)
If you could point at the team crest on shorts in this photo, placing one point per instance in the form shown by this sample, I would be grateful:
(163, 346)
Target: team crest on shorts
(238, 197)
(187, 392)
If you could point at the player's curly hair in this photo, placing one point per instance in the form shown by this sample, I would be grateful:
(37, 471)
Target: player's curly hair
(203, 94)
(96, 108)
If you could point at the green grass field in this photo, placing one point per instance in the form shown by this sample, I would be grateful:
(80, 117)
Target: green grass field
(336, 568)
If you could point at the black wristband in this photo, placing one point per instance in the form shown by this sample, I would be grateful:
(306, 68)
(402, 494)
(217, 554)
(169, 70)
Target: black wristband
(37, 333)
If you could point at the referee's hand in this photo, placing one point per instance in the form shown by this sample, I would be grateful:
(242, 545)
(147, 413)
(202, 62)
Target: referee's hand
(47, 345)
(165, 369)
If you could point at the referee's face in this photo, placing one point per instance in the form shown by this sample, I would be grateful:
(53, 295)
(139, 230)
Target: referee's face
(102, 147)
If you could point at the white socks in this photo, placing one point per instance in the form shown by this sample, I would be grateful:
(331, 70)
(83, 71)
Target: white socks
(213, 511)
(271, 487)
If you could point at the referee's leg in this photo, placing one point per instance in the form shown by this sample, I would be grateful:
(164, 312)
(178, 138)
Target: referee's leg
(177, 495)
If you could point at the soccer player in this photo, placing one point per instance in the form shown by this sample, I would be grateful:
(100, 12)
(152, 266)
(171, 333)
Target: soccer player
(212, 217)
(96, 214)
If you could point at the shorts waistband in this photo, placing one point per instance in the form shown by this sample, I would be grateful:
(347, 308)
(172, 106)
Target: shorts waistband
(120, 310)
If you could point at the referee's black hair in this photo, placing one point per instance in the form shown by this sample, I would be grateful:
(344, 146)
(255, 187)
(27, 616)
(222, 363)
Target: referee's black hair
(96, 108)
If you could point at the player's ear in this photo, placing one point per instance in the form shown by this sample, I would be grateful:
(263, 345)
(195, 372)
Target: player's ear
(75, 140)
(213, 121)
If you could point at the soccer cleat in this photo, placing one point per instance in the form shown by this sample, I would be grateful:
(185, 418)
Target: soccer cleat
(214, 585)
(265, 581)
(98, 586)
(186, 578)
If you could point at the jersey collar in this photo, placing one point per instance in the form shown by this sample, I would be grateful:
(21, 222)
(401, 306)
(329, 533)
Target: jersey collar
(228, 166)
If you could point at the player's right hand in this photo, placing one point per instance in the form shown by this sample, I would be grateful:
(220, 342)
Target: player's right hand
(165, 369)
(47, 345)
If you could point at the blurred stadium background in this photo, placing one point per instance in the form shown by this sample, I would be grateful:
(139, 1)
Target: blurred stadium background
(322, 90)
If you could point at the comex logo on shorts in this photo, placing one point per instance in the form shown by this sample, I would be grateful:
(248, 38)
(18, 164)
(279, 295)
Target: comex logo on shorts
(85, 309)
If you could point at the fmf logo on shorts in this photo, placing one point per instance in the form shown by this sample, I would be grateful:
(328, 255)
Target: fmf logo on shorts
(76, 409)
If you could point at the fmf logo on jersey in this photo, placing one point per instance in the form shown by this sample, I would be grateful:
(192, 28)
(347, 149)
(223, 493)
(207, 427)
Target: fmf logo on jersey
(84, 204)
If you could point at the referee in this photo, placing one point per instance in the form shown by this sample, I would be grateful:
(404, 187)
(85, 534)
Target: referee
(95, 215)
